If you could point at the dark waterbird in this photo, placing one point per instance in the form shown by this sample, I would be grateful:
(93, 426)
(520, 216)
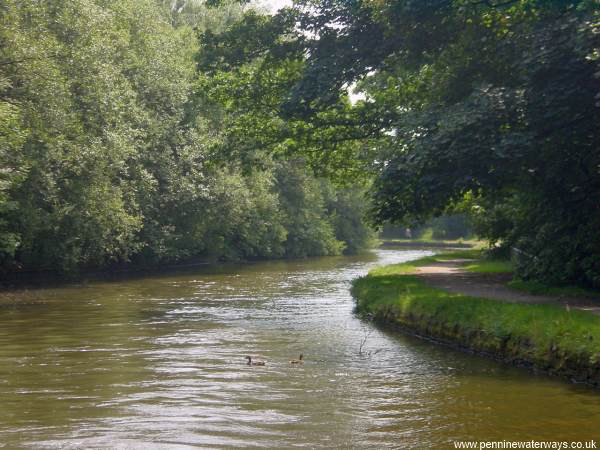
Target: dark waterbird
(254, 363)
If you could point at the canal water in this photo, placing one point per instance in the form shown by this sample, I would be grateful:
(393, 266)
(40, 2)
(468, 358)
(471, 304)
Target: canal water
(158, 363)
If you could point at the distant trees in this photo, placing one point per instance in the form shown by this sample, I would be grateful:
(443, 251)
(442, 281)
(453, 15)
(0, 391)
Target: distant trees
(110, 151)
(445, 227)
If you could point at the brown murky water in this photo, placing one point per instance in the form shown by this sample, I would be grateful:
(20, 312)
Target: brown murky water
(159, 363)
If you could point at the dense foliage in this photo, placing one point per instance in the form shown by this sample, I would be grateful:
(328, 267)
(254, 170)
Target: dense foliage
(505, 126)
(489, 107)
(112, 151)
(161, 130)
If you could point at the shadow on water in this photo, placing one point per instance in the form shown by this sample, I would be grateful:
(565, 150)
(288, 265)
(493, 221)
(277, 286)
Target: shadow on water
(17, 282)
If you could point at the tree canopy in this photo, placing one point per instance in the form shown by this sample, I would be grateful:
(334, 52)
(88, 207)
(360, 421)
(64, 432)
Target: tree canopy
(489, 107)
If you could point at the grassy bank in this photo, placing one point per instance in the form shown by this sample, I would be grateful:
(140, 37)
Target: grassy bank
(544, 337)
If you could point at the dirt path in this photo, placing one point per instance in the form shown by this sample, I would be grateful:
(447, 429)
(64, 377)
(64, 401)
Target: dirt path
(450, 276)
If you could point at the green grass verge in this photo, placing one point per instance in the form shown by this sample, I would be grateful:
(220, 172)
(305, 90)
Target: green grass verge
(545, 336)
(411, 266)
(535, 288)
(477, 265)
(490, 266)
(484, 265)
(424, 241)
(459, 254)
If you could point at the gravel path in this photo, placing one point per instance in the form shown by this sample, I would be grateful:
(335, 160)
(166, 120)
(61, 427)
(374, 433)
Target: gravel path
(450, 276)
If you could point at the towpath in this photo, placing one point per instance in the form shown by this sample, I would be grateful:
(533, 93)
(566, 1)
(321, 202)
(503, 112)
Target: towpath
(451, 276)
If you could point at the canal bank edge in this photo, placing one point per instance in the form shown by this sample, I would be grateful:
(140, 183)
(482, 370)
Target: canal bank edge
(546, 338)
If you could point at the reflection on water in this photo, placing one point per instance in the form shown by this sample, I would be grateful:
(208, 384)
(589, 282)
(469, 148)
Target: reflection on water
(159, 362)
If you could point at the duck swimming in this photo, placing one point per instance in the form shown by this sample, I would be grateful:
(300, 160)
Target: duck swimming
(297, 361)
(254, 363)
